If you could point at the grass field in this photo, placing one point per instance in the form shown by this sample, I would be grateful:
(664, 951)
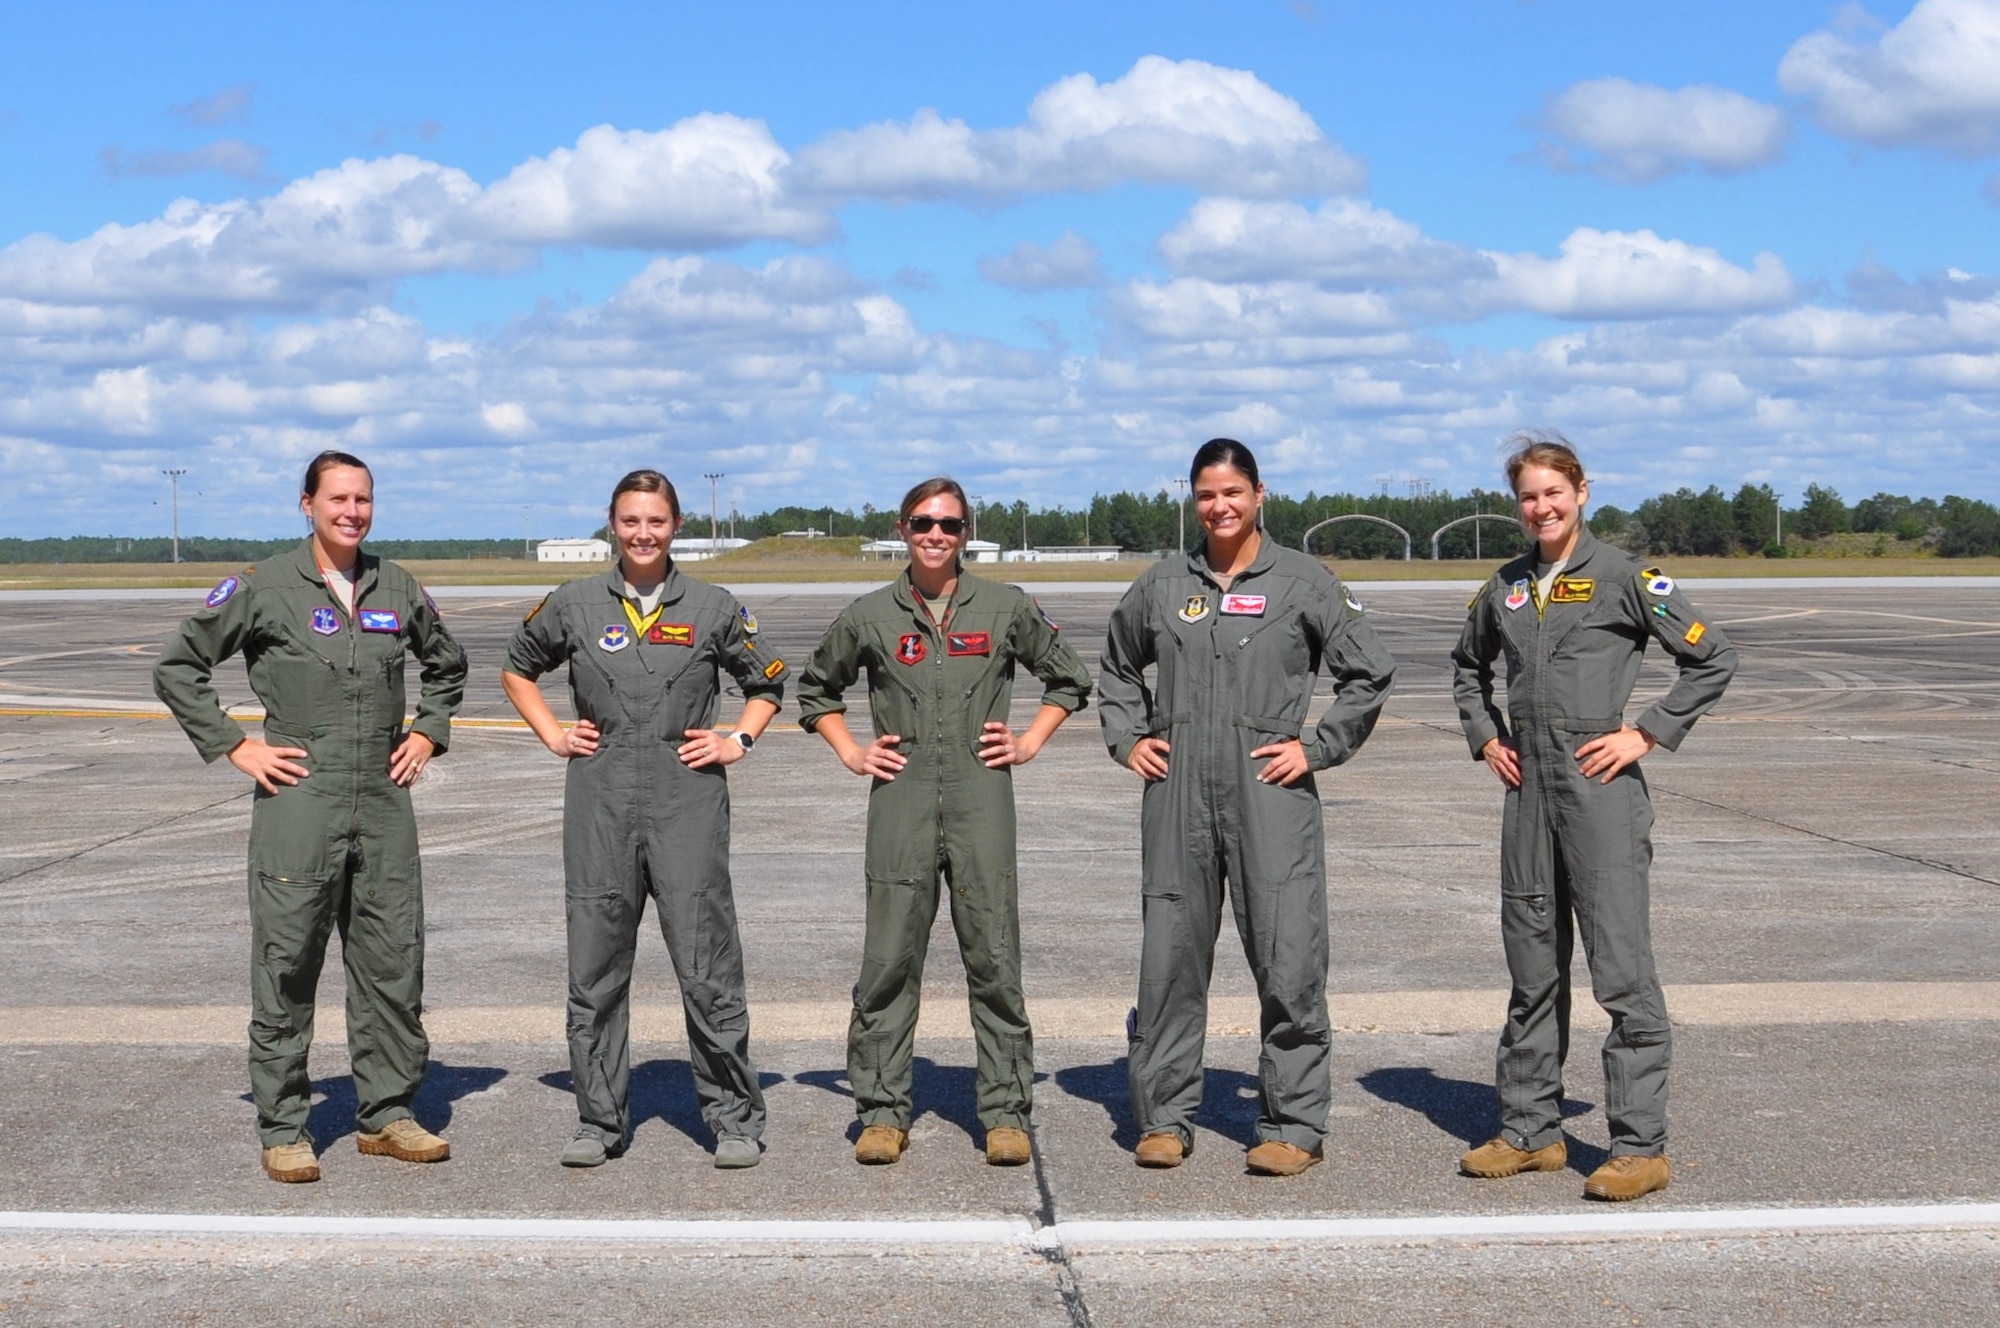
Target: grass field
(843, 566)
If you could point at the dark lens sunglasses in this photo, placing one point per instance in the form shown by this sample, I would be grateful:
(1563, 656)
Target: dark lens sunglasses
(950, 525)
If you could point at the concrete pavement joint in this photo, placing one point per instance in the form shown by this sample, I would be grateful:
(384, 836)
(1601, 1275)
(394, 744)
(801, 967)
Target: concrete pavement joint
(1825, 838)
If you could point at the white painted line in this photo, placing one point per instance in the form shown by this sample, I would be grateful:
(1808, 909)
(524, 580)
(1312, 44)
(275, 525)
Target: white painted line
(1588, 1222)
(1020, 1233)
(1002, 1231)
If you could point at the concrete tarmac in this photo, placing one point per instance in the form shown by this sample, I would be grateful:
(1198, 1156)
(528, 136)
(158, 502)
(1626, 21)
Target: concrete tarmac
(1826, 914)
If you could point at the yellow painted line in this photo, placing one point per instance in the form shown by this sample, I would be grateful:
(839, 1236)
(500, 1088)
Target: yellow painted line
(1707, 1005)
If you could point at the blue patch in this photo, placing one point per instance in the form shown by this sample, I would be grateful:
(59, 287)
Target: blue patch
(616, 637)
(1661, 610)
(381, 620)
(325, 621)
(223, 590)
(749, 620)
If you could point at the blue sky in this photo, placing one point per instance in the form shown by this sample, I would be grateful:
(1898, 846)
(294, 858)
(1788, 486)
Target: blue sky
(506, 256)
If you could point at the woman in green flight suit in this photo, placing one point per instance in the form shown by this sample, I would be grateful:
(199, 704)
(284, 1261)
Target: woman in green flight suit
(1236, 631)
(333, 841)
(940, 648)
(1573, 619)
(646, 811)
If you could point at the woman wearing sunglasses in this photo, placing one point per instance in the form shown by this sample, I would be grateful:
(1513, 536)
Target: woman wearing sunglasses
(940, 648)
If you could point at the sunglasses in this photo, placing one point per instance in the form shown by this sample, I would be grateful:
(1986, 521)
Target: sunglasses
(922, 525)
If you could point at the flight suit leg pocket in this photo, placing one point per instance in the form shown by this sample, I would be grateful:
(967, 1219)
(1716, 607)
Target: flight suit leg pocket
(1295, 947)
(899, 913)
(290, 920)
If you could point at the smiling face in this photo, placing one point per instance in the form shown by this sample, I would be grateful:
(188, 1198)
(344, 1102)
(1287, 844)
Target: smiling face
(644, 526)
(341, 509)
(1226, 502)
(933, 550)
(1551, 509)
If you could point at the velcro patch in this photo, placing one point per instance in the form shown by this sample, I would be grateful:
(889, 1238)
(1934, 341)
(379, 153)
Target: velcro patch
(968, 643)
(381, 620)
(1243, 606)
(538, 608)
(773, 669)
(1194, 610)
(325, 621)
(911, 649)
(749, 620)
(1694, 634)
(671, 634)
(1572, 590)
(616, 637)
(223, 590)
(1517, 594)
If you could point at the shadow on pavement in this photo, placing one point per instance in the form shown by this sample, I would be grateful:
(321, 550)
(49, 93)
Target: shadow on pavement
(1468, 1111)
(1230, 1100)
(661, 1090)
(949, 1092)
(332, 1116)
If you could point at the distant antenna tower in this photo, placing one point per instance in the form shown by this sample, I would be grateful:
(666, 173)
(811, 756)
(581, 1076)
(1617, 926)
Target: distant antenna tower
(1383, 482)
(1420, 486)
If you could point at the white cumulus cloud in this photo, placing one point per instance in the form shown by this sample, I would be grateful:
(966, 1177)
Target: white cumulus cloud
(1636, 132)
(1933, 79)
(1344, 242)
(1069, 262)
(342, 230)
(1181, 122)
(709, 181)
(1636, 274)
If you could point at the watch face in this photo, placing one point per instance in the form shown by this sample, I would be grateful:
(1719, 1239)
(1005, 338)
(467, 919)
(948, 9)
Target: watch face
(744, 740)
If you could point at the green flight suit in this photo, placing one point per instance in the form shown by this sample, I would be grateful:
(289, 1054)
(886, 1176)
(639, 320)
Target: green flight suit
(944, 815)
(1234, 672)
(1576, 845)
(339, 848)
(637, 823)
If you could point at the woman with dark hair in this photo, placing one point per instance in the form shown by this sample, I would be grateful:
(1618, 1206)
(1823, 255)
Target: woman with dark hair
(1236, 632)
(1576, 832)
(940, 647)
(333, 841)
(646, 811)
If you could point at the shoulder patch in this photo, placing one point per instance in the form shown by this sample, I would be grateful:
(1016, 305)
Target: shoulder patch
(1657, 582)
(1356, 604)
(429, 603)
(1045, 615)
(538, 608)
(749, 619)
(773, 669)
(223, 590)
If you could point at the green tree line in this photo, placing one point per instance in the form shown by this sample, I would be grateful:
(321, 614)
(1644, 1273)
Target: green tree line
(1680, 523)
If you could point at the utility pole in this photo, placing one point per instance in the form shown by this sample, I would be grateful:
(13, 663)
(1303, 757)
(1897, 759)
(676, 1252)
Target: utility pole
(711, 476)
(174, 478)
(1779, 500)
(526, 552)
(976, 501)
(1182, 485)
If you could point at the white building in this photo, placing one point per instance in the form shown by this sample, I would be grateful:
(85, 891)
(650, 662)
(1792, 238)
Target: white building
(573, 551)
(1072, 553)
(690, 550)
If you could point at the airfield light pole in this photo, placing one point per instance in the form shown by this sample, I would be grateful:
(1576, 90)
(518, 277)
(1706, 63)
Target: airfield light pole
(174, 479)
(1778, 501)
(711, 476)
(1182, 485)
(526, 551)
(976, 501)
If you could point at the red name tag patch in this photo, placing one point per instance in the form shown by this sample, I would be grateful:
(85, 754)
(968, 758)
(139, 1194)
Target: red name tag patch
(968, 643)
(1244, 606)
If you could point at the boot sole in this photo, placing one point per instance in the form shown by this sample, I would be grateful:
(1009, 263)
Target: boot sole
(1607, 1196)
(1287, 1170)
(297, 1176)
(383, 1148)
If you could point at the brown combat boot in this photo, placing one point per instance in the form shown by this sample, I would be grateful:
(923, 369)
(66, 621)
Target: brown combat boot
(292, 1163)
(1275, 1157)
(1497, 1158)
(1164, 1149)
(1629, 1177)
(1007, 1147)
(880, 1145)
(404, 1140)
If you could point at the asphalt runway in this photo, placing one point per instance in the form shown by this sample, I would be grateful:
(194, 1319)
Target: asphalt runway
(1826, 914)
